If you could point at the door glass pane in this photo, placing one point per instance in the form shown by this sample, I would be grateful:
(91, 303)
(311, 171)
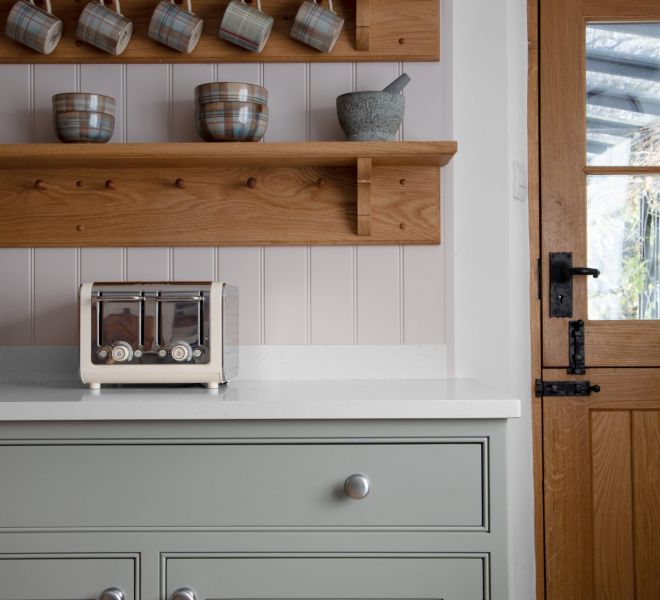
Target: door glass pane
(623, 242)
(623, 94)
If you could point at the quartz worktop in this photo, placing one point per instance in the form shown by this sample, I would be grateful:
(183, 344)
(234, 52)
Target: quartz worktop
(43, 400)
(41, 384)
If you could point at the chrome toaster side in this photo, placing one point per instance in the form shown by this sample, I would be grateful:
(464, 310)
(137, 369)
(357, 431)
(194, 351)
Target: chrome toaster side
(158, 332)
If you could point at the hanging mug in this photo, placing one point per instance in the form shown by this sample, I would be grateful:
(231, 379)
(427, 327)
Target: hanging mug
(34, 27)
(246, 26)
(175, 27)
(104, 28)
(316, 26)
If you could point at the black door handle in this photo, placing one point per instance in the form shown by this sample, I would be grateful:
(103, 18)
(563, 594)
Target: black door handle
(562, 272)
(584, 271)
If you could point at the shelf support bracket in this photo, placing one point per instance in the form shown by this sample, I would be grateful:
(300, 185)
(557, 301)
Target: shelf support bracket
(362, 24)
(363, 196)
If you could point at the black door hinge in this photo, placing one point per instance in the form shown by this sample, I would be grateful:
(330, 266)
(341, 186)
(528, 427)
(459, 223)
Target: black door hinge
(564, 388)
(576, 361)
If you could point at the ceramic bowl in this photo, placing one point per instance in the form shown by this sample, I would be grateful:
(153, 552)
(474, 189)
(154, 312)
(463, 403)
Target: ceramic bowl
(230, 91)
(83, 126)
(231, 121)
(81, 101)
(370, 116)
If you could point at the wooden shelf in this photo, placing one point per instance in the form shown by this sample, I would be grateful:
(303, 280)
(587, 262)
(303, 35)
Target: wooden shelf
(374, 30)
(197, 194)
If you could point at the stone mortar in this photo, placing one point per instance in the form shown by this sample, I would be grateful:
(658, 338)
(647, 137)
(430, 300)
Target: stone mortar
(370, 116)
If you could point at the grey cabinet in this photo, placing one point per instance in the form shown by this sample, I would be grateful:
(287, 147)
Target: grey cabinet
(253, 510)
(328, 577)
(62, 577)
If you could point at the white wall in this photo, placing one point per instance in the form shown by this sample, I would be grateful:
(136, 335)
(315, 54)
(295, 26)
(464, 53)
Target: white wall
(314, 295)
(488, 304)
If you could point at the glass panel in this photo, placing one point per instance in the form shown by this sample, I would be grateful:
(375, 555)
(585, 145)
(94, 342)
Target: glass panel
(623, 94)
(623, 242)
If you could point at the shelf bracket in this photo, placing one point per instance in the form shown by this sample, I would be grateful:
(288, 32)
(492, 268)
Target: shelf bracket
(363, 196)
(362, 24)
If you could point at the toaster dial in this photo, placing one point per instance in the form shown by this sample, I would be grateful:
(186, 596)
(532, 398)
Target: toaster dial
(181, 351)
(121, 352)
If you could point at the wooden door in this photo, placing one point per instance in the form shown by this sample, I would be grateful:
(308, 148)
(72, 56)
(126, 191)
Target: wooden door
(599, 78)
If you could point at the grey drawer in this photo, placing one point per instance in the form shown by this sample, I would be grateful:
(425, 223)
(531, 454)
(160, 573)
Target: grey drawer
(325, 577)
(58, 578)
(243, 485)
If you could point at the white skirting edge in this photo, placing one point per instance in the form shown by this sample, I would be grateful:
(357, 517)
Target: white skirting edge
(342, 362)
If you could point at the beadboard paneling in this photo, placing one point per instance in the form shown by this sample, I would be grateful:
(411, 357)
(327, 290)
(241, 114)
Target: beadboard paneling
(320, 295)
(108, 80)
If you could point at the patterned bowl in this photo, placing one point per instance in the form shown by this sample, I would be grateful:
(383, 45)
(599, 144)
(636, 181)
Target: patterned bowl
(230, 91)
(231, 121)
(81, 101)
(83, 127)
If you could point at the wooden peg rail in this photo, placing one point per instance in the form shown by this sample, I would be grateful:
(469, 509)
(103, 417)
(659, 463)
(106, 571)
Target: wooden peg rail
(374, 30)
(307, 193)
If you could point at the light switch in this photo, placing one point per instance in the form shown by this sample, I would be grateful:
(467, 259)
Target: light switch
(519, 181)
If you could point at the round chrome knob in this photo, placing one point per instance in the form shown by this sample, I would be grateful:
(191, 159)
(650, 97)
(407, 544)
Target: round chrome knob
(181, 351)
(113, 593)
(184, 593)
(121, 352)
(357, 486)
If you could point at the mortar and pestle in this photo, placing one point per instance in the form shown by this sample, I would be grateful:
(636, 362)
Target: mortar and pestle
(373, 116)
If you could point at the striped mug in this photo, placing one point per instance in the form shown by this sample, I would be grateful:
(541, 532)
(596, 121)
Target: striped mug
(316, 26)
(104, 28)
(34, 27)
(246, 26)
(175, 27)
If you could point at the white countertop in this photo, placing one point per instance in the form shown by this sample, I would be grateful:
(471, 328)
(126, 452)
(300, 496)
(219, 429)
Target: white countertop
(47, 400)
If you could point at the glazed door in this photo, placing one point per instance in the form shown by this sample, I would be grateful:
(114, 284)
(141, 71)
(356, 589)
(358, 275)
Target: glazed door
(600, 215)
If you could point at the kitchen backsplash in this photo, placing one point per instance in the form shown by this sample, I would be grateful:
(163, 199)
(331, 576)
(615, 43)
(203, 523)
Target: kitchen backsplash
(289, 295)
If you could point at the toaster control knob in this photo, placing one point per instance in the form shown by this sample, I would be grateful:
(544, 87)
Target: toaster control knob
(181, 351)
(122, 352)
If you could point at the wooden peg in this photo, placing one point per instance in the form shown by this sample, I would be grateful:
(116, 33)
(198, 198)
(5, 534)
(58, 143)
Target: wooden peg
(362, 24)
(252, 182)
(39, 184)
(364, 196)
(320, 182)
(180, 183)
(110, 184)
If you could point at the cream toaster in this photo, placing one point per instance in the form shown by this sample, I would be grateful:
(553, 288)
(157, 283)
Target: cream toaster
(158, 332)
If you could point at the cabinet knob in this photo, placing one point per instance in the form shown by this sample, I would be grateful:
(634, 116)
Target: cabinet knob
(113, 593)
(184, 593)
(357, 486)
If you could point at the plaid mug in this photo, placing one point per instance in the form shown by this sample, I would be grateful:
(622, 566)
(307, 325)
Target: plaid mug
(245, 26)
(174, 27)
(104, 28)
(316, 26)
(34, 27)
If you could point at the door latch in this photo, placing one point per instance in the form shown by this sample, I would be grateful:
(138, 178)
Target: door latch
(564, 388)
(562, 272)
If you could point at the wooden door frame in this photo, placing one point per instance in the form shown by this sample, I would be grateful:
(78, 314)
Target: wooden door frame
(534, 207)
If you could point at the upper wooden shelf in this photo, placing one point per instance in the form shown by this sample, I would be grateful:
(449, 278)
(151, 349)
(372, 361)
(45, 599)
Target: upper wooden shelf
(221, 194)
(187, 155)
(374, 30)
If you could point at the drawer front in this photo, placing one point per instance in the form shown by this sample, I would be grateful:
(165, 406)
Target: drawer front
(59, 578)
(238, 578)
(243, 485)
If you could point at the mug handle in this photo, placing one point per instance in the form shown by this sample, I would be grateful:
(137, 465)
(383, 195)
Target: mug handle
(258, 4)
(189, 3)
(49, 8)
(117, 6)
